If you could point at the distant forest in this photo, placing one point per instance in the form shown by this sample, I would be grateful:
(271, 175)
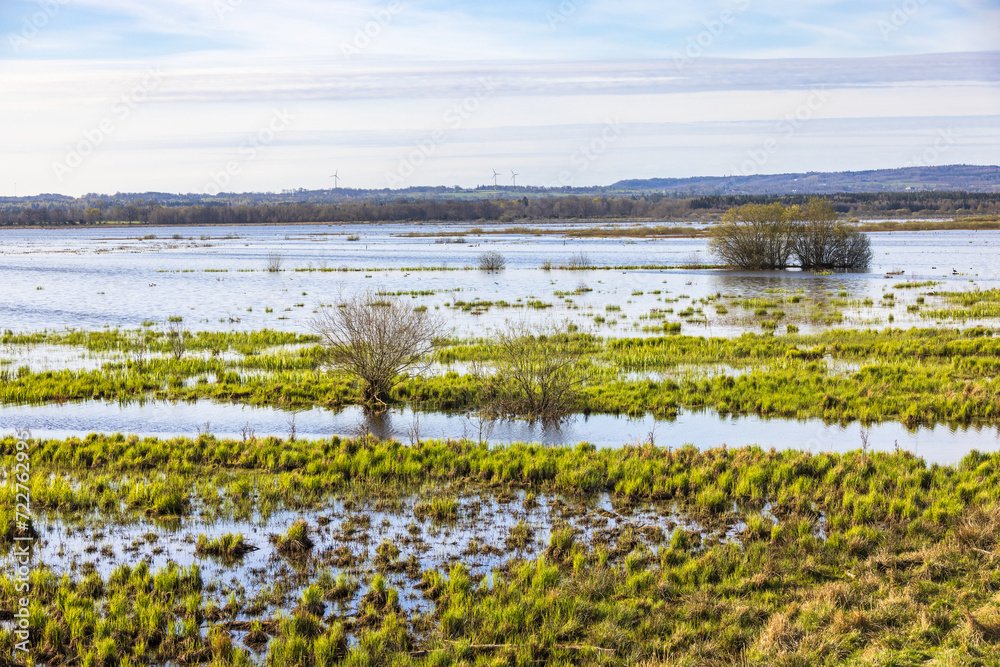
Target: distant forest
(638, 207)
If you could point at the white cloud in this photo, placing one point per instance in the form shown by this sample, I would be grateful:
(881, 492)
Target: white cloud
(223, 76)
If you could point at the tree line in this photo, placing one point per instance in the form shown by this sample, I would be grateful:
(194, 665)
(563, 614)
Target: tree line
(92, 210)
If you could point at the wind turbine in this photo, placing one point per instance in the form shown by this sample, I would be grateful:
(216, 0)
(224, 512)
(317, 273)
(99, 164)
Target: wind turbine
(336, 179)
(513, 178)
(495, 175)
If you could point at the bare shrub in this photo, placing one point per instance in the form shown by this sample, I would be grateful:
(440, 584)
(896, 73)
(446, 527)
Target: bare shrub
(535, 374)
(491, 261)
(377, 338)
(138, 350)
(274, 261)
(176, 338)
(579, 260)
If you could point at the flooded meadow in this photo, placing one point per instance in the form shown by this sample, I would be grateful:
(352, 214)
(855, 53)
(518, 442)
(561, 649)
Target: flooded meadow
(206, 489)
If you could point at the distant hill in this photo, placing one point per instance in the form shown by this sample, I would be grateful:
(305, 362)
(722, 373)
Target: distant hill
(955, 178)
(908, 181)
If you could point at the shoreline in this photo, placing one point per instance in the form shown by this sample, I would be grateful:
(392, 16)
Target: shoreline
(974, 223)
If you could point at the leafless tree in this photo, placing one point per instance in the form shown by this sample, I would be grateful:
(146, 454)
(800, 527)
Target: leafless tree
(490, 410)
(138, 349)
(176, 339)
(275, 261)
(413, 432)
(491, 261)
(377, 338)
(248, 433)
(485, 421)
(579, 260)
(535, 374)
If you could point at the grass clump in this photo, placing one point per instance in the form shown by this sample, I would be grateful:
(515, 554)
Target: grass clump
(438, 509)
(228, 546)
(296, 541)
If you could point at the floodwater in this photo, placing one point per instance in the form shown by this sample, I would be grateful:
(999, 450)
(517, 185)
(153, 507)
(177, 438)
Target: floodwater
(215, 277)
(705, 429)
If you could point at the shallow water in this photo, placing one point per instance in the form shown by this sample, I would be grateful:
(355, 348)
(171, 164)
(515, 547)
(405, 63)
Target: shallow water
(704, 429)
(482, 521)
(91, 278)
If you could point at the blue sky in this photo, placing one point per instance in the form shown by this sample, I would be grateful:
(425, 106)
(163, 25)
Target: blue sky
(202, 95)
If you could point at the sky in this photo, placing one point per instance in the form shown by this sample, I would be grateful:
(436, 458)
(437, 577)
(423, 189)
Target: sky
(203, 96)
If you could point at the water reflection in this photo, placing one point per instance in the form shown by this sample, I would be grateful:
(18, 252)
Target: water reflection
(704, 429)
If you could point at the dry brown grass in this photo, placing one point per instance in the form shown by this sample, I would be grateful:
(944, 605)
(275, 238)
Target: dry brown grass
(979, 531)
(983, 625)
(780, 636)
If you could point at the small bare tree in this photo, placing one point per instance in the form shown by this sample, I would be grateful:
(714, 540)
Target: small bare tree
(275, 261)
(138, 349)
(413, 433)
(491, 261)
(865, 434)
(176, 338)
(535, 375)
(377, 338)
(579, 260)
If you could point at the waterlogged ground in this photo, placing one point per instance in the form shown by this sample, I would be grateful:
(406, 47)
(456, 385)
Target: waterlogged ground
(215, 279)
(485, 532)
(367, 552)
(827, 544)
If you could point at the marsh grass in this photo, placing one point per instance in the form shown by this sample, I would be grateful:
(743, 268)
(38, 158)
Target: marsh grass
(296, 542)
(916, 376)
(228, 547)
(907, 566)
